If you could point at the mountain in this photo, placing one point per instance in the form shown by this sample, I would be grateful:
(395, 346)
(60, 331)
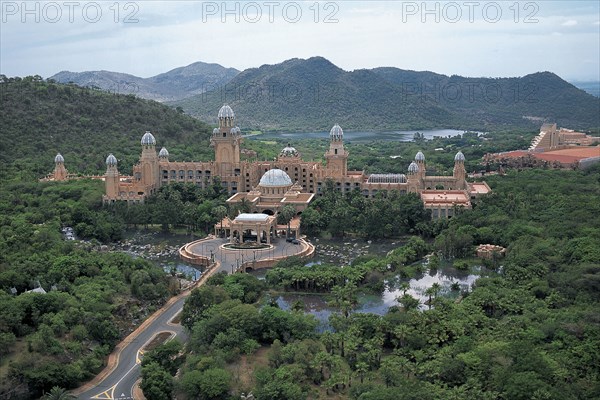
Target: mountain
(313, 94)
(40, 119)
(176, 84)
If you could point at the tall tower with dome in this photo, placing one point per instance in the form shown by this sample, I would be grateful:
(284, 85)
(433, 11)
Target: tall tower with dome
(226, 140)
(336, 155)
(147, 174)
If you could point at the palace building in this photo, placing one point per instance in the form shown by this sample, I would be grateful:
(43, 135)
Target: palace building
(266, 186)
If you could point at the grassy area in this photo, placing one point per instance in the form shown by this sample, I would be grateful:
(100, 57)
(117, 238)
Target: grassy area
(157, 341)
(243, 370)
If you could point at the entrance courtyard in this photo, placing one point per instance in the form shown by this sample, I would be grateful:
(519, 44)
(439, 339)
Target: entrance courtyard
(214, 250)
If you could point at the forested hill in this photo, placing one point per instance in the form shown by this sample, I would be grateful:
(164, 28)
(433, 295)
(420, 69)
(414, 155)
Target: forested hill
(40, 119)
(314, 94)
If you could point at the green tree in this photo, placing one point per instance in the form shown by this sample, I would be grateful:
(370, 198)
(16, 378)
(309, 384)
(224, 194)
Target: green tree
(156, 382)
(58, 393)
(285, 216)
(219, 213)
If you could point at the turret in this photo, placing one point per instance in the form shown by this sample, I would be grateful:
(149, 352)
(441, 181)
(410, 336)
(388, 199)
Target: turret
(149, 162)
(414, 177)
(111, 178)
(226, 117)
(420, 161)
(163, 154)
(60, 173)
(337, 156)
(226, 140)
(459, 170)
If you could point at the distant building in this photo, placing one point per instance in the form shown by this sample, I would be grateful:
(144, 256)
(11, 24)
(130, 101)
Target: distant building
(39, 290)
(552, 148)
(551, 138)
(489, 251)
(60, 173)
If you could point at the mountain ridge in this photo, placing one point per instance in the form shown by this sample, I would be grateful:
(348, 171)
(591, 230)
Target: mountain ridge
(307, 94)
(176, 84)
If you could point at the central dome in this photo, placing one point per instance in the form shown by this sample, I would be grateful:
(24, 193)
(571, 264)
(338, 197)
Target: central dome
(275, 177)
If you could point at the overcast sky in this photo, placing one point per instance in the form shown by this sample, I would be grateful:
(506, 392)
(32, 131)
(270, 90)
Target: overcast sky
(145, 38)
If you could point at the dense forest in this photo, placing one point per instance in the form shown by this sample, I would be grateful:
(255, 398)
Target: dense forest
(40, 119)
(529, 328)
(92, 298)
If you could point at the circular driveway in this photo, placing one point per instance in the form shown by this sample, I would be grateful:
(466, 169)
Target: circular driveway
(230, 259)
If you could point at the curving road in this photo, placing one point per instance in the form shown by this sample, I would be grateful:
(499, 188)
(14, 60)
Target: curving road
(119, 383)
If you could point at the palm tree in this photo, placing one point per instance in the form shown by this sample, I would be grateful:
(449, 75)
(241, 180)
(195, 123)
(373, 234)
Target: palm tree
(436, 287)
(429, 292)
(220, 212)
(285, 216)
(58, 393)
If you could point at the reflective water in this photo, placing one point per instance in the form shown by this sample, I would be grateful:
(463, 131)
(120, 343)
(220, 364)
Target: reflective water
(402, 136)
(160, 248)
(451, 282)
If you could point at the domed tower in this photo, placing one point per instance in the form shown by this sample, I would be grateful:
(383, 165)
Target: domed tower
(111, 178)
(289, 152)
(460, 173)
(420, 161)
(163, 154)
(149, 162)
(337, 156)
(226, 140)
(60, 173)
(414, 178)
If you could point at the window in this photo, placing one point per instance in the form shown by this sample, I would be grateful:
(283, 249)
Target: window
(335, 151)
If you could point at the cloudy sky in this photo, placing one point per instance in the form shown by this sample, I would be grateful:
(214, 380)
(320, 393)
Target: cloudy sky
(145, 38)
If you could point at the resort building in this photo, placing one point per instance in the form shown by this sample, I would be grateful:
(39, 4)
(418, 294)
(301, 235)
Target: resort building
(267, 186)
(551, 138)
(552, 148)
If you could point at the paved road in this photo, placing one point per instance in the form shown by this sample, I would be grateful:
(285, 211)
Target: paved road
(119, 384)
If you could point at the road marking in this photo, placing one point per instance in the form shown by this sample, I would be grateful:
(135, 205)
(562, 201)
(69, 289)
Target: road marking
(107, 394)
(126, 373)
(138, 356)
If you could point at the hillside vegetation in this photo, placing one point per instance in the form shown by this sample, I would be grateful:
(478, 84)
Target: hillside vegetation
(40, 119)
(314, 94)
